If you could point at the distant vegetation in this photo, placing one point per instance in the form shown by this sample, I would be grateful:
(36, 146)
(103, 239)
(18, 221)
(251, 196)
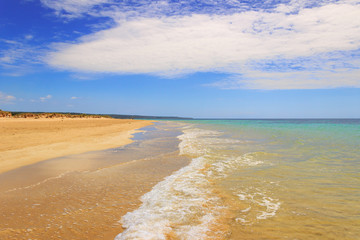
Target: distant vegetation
(37, 115)
(5, 114)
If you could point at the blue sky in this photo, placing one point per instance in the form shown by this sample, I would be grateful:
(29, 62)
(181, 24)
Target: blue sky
(232, 59)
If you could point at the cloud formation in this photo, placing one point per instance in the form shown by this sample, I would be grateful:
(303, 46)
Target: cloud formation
(43, 99)
(208, 40)
(6, 98)
(18, 57)
(291, 80)
(170, 46)
(150, 8)
(72, 8)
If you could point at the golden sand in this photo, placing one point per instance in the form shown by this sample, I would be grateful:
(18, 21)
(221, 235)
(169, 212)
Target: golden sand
(82, 204)
(78, 196)
(27, 141)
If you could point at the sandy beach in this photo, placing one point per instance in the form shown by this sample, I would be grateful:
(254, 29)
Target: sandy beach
(27, 141)
(79, 196)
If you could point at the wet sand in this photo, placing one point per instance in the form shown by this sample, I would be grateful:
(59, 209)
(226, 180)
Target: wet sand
(27, 141)
(84, 196)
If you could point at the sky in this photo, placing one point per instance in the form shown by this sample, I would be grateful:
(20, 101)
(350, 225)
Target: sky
(195, 58)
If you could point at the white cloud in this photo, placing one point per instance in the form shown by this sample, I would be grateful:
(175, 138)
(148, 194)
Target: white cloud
(43, 99)
(7, 41)
(74, 98)
(150, 8)
(6, 98)
(29, 37)
(175, 45)
(292, 80)
(121, 9)
(72, 8)
(11, 55)
(19, 57)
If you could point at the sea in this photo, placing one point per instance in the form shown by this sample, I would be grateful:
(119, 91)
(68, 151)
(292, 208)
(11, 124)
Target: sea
(256, 179)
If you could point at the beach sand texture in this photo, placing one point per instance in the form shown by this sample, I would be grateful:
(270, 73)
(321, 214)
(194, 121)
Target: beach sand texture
(27, 141)
(80, 196)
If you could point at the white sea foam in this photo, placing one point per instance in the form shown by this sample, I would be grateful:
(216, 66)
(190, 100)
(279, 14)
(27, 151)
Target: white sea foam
(190, 141)
(227, 164)
(185, 205)
(271, 207)
(207, 143)
(263, 206)
(176, 207)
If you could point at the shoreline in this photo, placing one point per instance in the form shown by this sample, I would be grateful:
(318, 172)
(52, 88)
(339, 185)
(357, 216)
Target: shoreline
(84, 196)
(25, 141)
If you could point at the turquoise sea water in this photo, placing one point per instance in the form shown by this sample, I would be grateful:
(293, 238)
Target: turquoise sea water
(257, 179)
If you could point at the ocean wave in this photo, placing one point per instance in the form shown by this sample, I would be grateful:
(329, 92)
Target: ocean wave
(187, 205)
(181, 206)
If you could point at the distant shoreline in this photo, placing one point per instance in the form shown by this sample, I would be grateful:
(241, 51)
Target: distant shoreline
(37, 115)
(16, 114)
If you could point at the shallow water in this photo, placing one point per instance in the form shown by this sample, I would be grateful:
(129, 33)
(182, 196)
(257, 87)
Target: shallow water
(257, 179)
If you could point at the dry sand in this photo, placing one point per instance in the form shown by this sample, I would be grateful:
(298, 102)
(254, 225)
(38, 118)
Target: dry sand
(27, 141)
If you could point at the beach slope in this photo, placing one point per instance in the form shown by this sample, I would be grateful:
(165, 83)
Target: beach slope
(27, 141)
